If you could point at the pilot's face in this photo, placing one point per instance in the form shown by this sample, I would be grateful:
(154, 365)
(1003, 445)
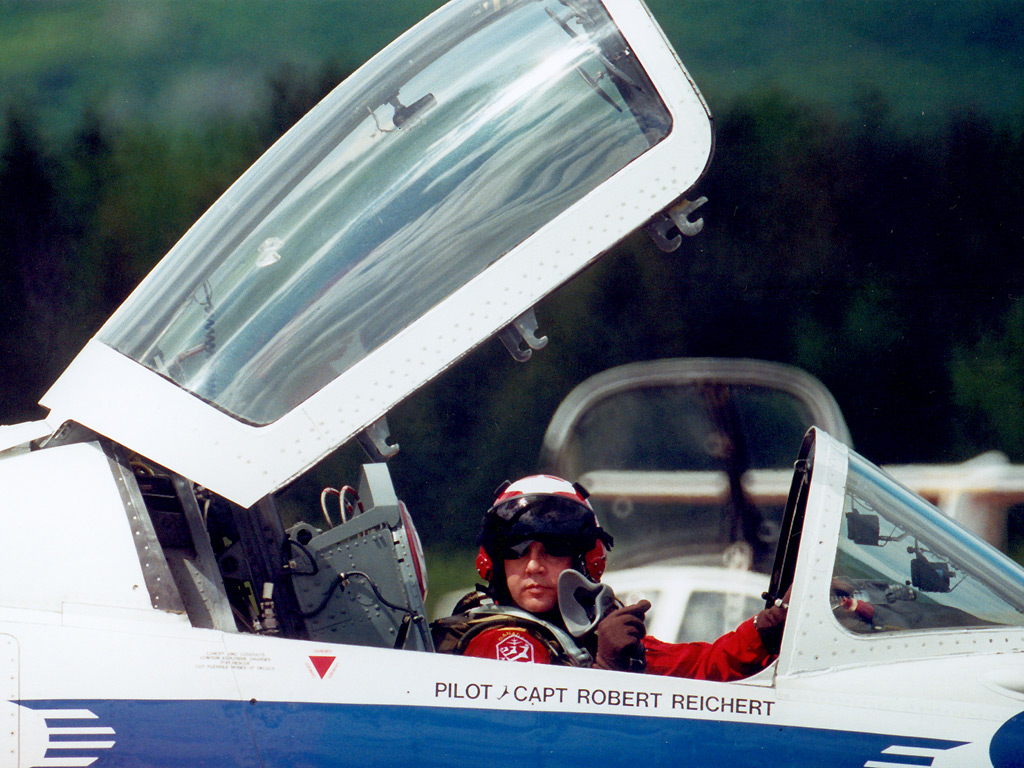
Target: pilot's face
(533, 578)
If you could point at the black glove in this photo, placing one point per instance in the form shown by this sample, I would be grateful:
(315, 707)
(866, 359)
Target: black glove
(770, 622)
(619, 637)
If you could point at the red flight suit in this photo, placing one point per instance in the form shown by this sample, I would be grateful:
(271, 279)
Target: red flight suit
(733, 656)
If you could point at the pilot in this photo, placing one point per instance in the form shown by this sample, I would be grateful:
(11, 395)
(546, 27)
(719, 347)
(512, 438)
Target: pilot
(542, 526)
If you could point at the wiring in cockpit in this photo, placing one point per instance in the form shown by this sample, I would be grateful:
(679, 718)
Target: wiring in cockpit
(348, 503)
(341, 582)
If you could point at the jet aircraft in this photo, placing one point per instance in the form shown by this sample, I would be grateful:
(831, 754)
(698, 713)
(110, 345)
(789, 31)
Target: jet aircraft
(155, 611)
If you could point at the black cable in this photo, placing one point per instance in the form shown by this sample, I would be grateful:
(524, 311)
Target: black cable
(373, 586)
(339, 582)
(287, 544)
(403, 631)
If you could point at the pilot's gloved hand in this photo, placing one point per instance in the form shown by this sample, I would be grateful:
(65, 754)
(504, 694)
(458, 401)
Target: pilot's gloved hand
(770, 622)
(842, 588)
(619, 637)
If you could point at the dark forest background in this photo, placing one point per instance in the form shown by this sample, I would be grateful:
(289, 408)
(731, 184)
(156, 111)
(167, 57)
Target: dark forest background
(864, 218)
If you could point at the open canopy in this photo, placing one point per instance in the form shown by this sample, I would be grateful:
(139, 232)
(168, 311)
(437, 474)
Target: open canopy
(432, 199)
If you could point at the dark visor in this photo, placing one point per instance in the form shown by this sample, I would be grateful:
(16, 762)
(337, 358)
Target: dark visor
(564, 526)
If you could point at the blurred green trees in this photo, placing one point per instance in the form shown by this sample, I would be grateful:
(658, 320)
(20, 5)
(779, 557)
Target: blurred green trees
(83, 221)
(881, 260)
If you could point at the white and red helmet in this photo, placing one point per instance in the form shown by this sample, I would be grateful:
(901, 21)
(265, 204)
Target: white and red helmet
(547, 509)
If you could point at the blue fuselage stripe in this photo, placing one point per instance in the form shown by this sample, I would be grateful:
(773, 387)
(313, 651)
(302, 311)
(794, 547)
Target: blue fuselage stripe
(229, 734)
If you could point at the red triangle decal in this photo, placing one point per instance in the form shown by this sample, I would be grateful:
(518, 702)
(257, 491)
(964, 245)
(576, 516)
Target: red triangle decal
(322, 664)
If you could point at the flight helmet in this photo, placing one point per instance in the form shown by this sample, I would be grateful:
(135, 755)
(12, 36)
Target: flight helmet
(541, 508)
